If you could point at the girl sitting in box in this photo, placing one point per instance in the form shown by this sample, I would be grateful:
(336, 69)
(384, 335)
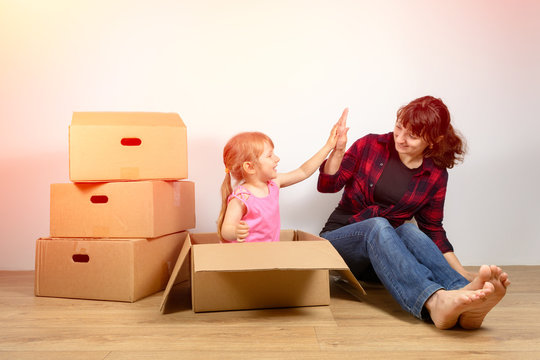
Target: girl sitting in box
(250, 211)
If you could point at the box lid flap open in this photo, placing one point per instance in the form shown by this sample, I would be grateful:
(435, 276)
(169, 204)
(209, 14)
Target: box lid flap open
(174, 279)
(287, 255)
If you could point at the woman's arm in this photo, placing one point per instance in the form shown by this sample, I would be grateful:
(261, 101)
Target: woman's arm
(430, 217)
(429, 220)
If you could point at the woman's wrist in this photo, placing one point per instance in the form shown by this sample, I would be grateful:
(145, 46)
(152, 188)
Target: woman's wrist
(334, 162)
(338, 152)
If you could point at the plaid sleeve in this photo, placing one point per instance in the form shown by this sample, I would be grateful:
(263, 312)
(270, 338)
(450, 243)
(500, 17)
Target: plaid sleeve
(430, 217)
(349, 165)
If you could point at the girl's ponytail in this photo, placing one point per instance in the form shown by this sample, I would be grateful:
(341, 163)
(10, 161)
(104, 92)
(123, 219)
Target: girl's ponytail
(226, 190)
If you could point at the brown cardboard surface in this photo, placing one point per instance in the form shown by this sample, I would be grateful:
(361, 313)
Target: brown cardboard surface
(180, 273)
(123, 146)
(140, 209)
(287, 255)
(291, 272)
(105, 269)
(220, 291)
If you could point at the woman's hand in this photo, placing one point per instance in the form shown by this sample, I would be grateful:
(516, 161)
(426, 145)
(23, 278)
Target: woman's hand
(334, 160)
(338, 135)
(468, 275)
(341, 143)
(456, 265)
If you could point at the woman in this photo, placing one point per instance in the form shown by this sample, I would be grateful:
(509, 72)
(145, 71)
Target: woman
(389, 179)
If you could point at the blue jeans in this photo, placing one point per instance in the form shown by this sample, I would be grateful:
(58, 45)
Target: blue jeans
(406, 261)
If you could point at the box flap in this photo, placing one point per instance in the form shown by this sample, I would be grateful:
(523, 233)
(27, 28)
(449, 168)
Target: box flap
(204, 238)
(127, 119)
(349, 278)
(305, 236)
(174, 279)
(287, 255)
(346, 274)
(288, 235)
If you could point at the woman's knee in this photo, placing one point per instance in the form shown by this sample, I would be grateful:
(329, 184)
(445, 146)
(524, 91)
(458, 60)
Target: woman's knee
(410, 233)
(408, 228)
(354, 237)
(381, 232)
(379, 223)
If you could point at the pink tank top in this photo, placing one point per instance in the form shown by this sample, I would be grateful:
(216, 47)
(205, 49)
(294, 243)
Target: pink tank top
(262, 213)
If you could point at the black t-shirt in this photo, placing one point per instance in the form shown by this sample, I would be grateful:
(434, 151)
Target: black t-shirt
(394, 180)
(389, 189)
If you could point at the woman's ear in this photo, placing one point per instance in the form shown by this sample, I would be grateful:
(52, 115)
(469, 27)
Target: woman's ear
(248, 167)
(437, 140)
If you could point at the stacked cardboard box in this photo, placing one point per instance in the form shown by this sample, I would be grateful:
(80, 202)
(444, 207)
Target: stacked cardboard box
(117, 229)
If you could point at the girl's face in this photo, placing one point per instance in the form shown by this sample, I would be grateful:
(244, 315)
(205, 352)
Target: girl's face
(267, 163)
(407, 143)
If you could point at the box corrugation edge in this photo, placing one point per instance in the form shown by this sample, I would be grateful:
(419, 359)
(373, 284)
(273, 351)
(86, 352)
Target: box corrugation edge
(126, 118)
(38, 262)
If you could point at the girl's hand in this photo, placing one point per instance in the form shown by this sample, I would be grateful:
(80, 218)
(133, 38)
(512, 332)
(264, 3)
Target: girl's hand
(242, 231)
(332, 139)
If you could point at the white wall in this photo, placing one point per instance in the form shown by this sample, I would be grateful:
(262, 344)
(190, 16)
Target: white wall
(286, 68)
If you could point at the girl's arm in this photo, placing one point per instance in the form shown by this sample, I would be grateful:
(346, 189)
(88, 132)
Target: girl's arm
(310, 166)
(233, 228)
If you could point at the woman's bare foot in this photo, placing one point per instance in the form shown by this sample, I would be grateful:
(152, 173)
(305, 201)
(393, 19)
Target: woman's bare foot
(488, 273)
(473, 317)
(446, 306)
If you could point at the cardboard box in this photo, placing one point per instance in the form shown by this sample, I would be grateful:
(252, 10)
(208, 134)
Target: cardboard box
(288, 273)
(121, 146)
(138, 209)
(105, 269)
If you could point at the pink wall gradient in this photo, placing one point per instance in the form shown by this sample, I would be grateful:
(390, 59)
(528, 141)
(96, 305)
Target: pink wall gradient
(286, 68)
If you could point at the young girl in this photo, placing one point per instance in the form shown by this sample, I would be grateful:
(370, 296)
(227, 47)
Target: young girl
(251, 212)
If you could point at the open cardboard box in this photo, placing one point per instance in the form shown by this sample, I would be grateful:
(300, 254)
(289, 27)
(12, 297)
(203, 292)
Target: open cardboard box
(138, 209)
(105, 269)
(291, 272)
(122, 146)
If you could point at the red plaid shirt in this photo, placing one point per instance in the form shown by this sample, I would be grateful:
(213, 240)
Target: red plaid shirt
(360, 170)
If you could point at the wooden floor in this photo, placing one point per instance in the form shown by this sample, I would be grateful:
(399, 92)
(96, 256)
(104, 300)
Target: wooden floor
(372, 328)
